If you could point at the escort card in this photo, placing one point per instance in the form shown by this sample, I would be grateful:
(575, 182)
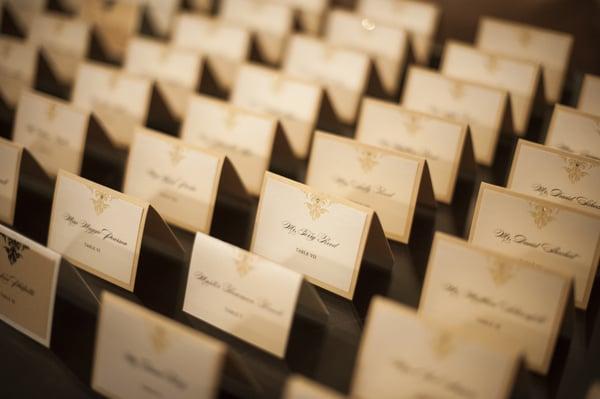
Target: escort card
(298, 387)
(589, 97)
(445, 144)
(241, 293)
(574, 131)
(23, 12)
(483, 108)
(160, 14)
(18, 66)
(225, 46)
(120, 101)
(550, 49)
(53, 131)
(536, 230)
(28, 275)
(318, 235)
(522, 79)
(271, 24)
(387, 181)
(386, 45)
(295, 102)
(429, 361)
(418, 18)
(309, 14)
(343, 73)
(556, 175)
(10, 166)
(140, 353)
(501, 296)
(247, 138)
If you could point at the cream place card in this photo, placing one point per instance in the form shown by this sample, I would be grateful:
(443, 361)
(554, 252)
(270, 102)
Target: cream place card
(526, 227)
(247, 138)
(556, 175)
(550, 49)
(386, 45)
(502, 296)
(28, 276)
(159, 14)
(271, 24)
(390, 182)
(298, 387)
(589, 97)
(180, 180)
(224, 45)
(419, 19)
(10, 169)
(22, 12)
(522, 79)
(343, 73)
(321, 236)
(242, 294)
(18, 67)
(120, 101)
(140, 353)
(483, 108)
(308, 14)
(177, 71)
(296, 103)
(445, 144)
(574, 131)
(204, 6)
(404, 355)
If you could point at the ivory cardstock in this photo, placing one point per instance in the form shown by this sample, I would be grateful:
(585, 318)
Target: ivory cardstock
(574, 131)
(589, 97)
(10, 166)
(18, 67)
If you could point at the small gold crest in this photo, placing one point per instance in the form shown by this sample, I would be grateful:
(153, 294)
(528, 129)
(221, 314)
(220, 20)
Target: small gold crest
(317, 206)
(576, 169)
(100, 200)
(542, 214)
(159, 339)
(442, 345)
(176, 154)
(243, 263)
(501, 271)
(368, 160)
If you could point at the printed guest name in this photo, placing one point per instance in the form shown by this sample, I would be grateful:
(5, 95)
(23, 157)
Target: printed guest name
(154, 371)
(176, 182)
(522, 239)
(104, 233)
(309, 235)
(559, 193)
(366, 188)
(12, 281)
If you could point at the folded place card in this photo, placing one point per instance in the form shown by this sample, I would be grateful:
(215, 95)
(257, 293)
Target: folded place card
(10, 169)
(343, 73)
(390, 182)
(321, 236)
(23, 12)
(386, 45)
(224, 45)
(119, 101)
(309, 14)
(589, 97)
(180, 180)
(141, 354)
(271, 24)
(418, 18)
(18, 67)
(204, 6)
(403, 355)
(574, 131)
(554, 236)
(550, 49)
(445, 144)
(556, 175)
(502, 296)
(299, 387)
(295, 102)
(159, 14)
(241, 293)
(522, 79)
(483, 108)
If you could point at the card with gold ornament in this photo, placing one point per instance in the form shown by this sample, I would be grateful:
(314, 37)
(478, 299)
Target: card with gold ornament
(18, 71)
(574, 131)
(308, 15)
(589, 95)
(158, 17)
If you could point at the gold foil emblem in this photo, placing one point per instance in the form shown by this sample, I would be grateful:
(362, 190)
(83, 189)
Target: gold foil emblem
(542, 214)
(317, 206)
(368, 160)
(501, 271)
(243, 263)
(576, 169)
(442, 345)
(100, 200)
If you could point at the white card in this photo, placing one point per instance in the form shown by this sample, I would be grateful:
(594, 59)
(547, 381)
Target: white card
(574, 131)
(18, 68)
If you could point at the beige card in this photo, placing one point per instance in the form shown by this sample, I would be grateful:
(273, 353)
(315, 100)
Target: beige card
(141, 354)
(119, 101)
(309, 13)
(321, 236)
(180, 180)
(10, 166)
(483, 108)
(515, 300)
(225, 45)
(24, 11)
(442, 142)
(299, 387)
(343, 73)
(555, 236)
(550, 49)
(52, 130)
(271, 23)
(18, 67)
(386, 45)
(241, 293)
(28, 276)
(387, 181)
(419, 19)
(403, 354)
(556, 175)
(520, 78)
(295, 102)
(160, 14)
(574, 131)
(97, 229)
(246, 137)
(589, 97)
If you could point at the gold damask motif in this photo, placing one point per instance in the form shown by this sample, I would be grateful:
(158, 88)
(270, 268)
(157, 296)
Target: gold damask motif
(159, 339)
(501, 271)
(368, 160)
(576, 169)
(176, 154)
(442, 345)
(100, 200)
(317, 206)
(542, 214)
(243, 263)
